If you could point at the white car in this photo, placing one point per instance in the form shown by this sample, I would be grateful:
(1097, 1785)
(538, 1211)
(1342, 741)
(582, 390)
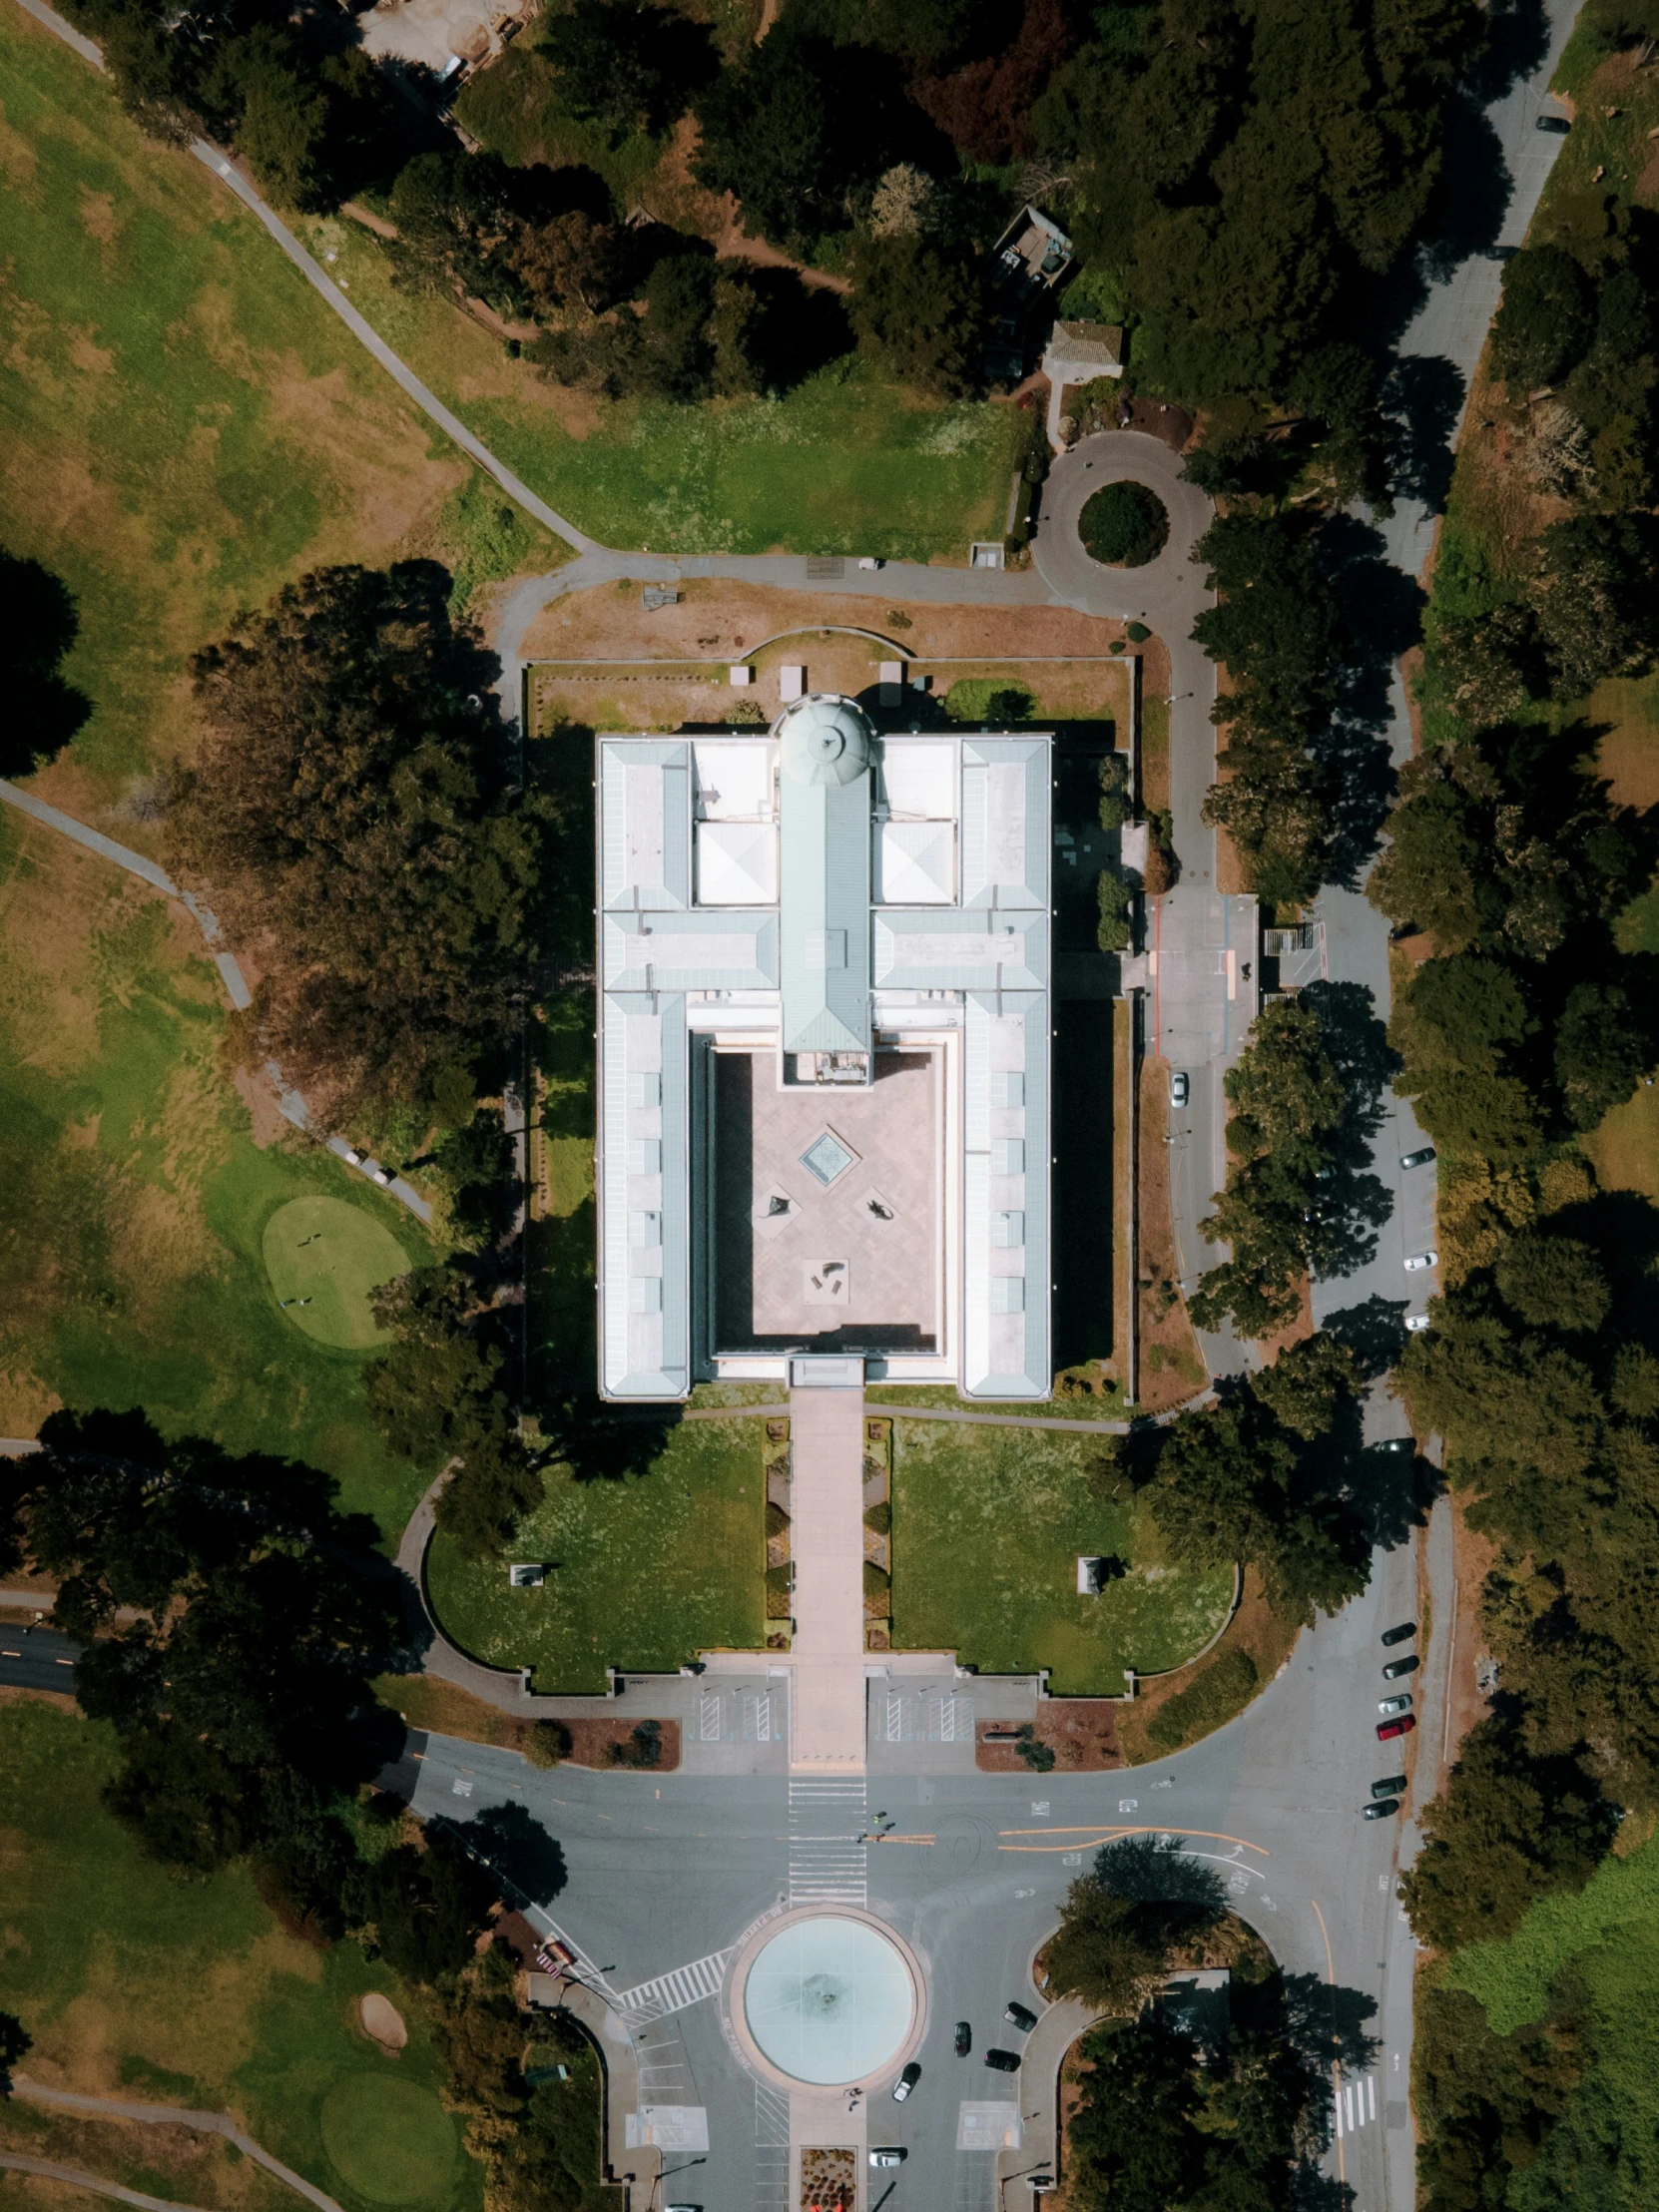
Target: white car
(889, 2156)
(1179, 1089)
(1421, 1260)
(1390, 1706)
(1417, 1323)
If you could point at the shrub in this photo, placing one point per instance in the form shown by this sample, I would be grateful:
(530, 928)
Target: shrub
(1136, 632)
(1219, 1694)
(878, 1519)
(778, 1593)
(1115, 931)
(1038, 1757)
(1124, 526)
(644, 1747)
(777, 1519)
(546, 1743)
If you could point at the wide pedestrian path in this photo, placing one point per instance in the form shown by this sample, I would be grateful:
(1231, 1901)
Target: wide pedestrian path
(826, 1542)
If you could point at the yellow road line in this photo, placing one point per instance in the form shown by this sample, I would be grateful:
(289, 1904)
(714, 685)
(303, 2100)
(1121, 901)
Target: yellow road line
(1123, 1828)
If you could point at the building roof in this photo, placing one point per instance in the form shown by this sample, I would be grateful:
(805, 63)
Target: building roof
(823, 807)
(1087, 345)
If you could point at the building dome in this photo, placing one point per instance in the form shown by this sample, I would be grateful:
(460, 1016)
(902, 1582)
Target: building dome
(824, 739)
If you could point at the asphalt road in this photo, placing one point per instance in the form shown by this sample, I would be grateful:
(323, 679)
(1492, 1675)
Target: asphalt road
(36, 1659)
(665, 1871)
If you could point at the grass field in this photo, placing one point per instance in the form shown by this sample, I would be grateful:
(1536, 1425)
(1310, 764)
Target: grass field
(134, 1201)
(846, 463)
(988, 1525)
(188, 1992)
(185, 424)
(323, 1257)
(649, 1569)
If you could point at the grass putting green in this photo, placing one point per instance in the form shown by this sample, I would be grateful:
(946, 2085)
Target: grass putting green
(988, 1525)
(392, 2141)
(323, 1257)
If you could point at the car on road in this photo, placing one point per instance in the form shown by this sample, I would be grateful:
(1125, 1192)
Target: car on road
(907, 2082)
(890, 2154)
(1386, 1731)
(1002, 2061)
(1021, 2015)
(1421, 1260)
(1557, 124)
(1180, 1090)
(1380, 1808)
(1397, 1667)
(1390, 1705)
(1397, 1443)
(1418, 1159)
(1390, 1786)
(1417, 1323)
(1400, 1633)
(965, 2038)
(1499, 253)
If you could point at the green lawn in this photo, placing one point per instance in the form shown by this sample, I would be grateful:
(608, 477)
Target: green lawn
(186, 426)
(189, 1993)
(987, 1524)
(134, 1201)
(650, 1568)
(324, 1257)
(846, 463)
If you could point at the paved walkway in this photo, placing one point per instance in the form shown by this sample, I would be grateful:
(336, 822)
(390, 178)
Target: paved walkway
(45, 2168)
(827, 1543)
(170, 2115)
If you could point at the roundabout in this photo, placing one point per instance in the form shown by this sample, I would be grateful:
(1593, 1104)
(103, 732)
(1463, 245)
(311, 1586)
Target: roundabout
(828, 1999)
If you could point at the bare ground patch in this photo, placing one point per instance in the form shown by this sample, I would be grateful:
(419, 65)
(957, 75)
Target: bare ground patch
(1171, 1367)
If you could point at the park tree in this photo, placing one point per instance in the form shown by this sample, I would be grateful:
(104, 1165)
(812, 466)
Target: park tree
(791, 132)
(920, 309)
(1135, 2138)
(457, 227)
(39, 624)
(1553, 1283)
(1546, 318)
(15, 2044)
(1486, 668)
(228, 1563)
(570, 262)
(1605, 1042)
(628, 64)
(437, 1396)
(1122, 1920)
(347, 820)
(1597, 596)
(422, 1910)
(1509, 1829)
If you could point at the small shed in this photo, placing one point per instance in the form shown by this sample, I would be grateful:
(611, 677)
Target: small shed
(1077, 353)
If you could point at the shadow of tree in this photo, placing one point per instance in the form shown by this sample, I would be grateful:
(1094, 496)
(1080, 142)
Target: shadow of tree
(1380, 610)
(1373, 1332)
(1326, 2023)
(516, 1846)
(38, 626)
(1424, 399)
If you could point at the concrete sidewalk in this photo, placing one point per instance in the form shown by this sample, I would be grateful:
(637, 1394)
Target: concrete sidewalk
(827, 1541)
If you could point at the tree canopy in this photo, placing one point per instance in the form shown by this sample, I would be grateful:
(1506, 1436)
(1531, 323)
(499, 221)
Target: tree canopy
(349, 820)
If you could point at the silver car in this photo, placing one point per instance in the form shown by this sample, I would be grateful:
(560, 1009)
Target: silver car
(1179, 1088)
(1422, 1260)
(1390, 1706)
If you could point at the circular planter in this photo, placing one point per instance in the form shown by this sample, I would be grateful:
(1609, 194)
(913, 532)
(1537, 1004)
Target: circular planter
(1123, 525)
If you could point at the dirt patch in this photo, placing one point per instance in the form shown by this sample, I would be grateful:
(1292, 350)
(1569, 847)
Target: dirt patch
(1473, 1557)
(1082, 1733)
(383, 2021)
(258, 1094)
(10, 1694)
(1172, 1366)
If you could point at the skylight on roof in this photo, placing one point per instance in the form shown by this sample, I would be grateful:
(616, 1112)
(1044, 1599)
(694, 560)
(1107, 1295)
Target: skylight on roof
(826, 1158)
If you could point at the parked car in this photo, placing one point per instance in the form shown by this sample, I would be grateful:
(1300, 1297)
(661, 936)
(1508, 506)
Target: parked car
(1401, 1704)
(1421, 1260)
(1417, 1323)
(1499, 253)
(1397, 1443)
(1400, 1633)
(1557, 124)
(1002, 2061)
(890, 2154)
(1390, 1786)
(1021, 2015)
(1418, 1159)
(965, 2038)
(1180, 1090)
(1397, 1667)
(1386, 1731)
(907, 2082)
(1380, 1808)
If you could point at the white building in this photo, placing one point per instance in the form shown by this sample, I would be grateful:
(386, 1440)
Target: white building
(823, 1064)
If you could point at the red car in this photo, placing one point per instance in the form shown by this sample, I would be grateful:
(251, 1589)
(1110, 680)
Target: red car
(1387, 1730)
